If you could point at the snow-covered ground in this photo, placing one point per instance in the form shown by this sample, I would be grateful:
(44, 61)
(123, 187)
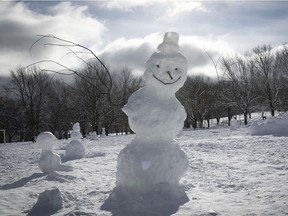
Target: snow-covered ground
(230, 173)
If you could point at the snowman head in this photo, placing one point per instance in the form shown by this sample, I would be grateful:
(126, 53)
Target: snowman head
(46, 141)
(76, 127)
(166, 70)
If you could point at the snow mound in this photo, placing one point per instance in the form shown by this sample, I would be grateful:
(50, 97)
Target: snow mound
(74, 150)
(49, 202)
(276, 126)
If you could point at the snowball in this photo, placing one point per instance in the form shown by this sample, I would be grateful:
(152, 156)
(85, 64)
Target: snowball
(143, 167)
(49, 162)
(46, 140)
(74, 150)
(49, 202)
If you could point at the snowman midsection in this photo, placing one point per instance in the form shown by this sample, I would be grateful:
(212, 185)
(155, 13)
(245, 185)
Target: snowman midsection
(157, 121)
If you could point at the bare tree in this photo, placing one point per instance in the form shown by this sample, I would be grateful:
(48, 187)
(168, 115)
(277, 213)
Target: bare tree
(196, 96)
(240, 74)
(268, 68)
(226, 103)
(95, 77)
(221, 93)
(124, 84)
(59, 108)
(10, 115)
(90, 98)
(282, 57)
(30, 87)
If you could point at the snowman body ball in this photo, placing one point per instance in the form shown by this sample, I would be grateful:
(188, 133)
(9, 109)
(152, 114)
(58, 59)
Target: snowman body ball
(154, 112)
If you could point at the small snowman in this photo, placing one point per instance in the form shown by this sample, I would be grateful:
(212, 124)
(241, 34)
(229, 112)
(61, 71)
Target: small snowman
(103, 132)
(75, 149)
(76, 134)
(93, 135)
(49, 161)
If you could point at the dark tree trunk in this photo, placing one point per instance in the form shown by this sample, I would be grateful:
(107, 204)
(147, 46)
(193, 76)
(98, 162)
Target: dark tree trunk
(245, 118)
(218, 120)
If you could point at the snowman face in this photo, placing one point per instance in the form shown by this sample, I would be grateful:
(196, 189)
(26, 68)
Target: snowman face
(168, 71)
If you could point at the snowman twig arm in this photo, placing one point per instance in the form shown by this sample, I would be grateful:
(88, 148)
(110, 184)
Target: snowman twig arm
(70, 45)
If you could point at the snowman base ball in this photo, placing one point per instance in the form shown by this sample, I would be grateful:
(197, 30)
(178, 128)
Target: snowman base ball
(49, 162)
(74, 150)
(148, 180)
(150, 165)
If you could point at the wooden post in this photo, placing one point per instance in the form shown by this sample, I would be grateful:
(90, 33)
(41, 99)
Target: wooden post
(3, 130)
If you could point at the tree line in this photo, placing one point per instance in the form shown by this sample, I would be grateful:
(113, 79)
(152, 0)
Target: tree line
(32, 100)
(253, 82)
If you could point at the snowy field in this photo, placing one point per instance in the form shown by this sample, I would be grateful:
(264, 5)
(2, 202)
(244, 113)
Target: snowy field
(230, 173)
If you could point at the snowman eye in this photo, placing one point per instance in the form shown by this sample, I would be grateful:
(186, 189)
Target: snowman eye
(158, 66)
(176, 69)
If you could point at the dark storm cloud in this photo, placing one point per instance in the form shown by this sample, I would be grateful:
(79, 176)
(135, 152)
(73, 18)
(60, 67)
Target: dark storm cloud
(19, 27)
(15, 36)
(133, 53)
(196, 56)
(132, 57)
(122, 32)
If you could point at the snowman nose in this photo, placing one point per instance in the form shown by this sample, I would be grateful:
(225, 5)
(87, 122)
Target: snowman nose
(168, 72)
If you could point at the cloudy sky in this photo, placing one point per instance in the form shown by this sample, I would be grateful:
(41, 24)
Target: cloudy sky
(127, 32)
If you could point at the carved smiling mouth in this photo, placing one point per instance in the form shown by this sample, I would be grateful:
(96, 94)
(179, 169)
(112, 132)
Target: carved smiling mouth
(166, 83)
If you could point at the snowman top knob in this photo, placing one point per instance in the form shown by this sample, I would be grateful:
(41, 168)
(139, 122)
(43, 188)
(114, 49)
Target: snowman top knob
(170, 43)
(76, 127)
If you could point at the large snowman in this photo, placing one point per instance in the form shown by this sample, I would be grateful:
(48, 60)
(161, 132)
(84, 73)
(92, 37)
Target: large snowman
(154, 163)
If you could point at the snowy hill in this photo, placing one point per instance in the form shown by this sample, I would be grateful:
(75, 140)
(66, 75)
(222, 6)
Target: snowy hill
(230, 173)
